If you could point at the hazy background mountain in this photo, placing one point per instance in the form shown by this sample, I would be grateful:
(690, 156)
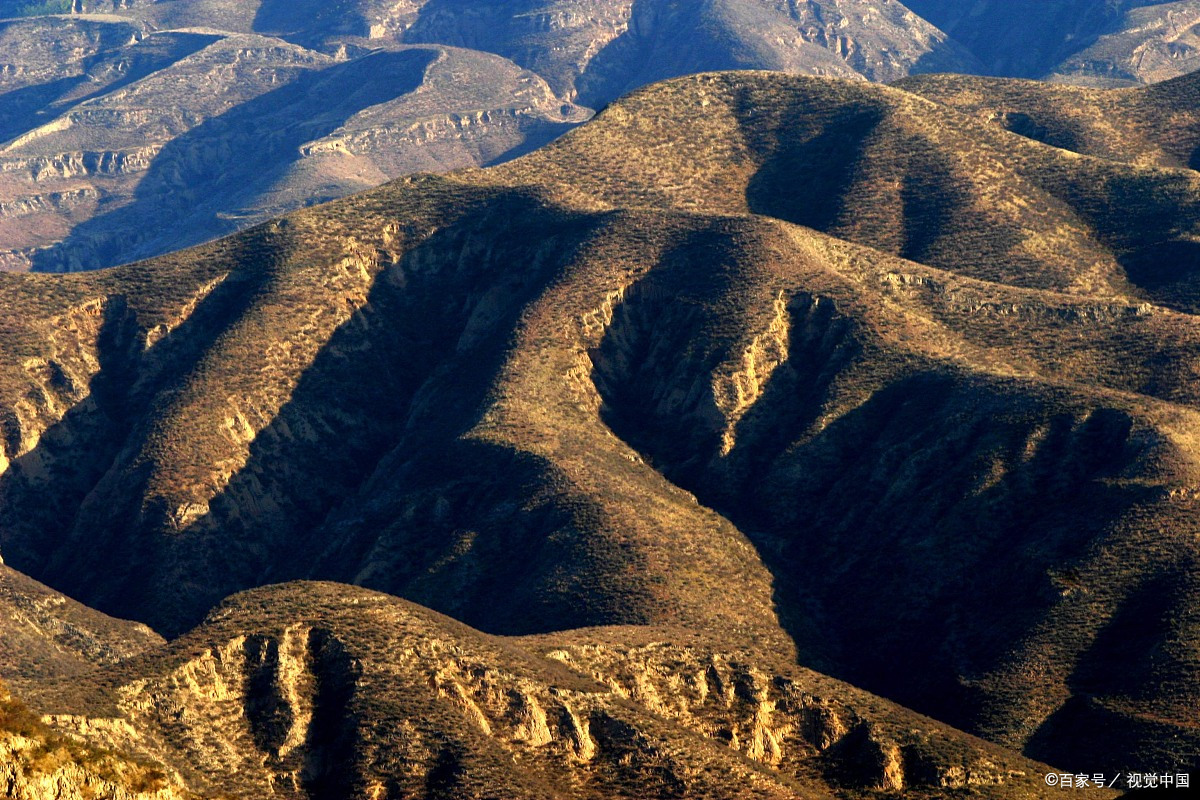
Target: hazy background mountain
(131, 128)
(146, 142)
(134, 128)
(1099, 42)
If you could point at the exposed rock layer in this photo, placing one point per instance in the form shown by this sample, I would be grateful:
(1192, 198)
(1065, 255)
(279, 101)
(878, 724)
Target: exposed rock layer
(321, 690)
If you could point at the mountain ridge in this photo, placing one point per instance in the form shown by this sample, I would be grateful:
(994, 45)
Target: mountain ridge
(669, 393)
(296, 687)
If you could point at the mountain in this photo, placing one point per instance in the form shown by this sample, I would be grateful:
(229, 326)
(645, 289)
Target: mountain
(138, 128)
(595, 51)
(647, 41)
(132, 128)
(830, 373)
(206, 132)
(323, 690)
(48, 636)
(1151, 42)
(1108, 42)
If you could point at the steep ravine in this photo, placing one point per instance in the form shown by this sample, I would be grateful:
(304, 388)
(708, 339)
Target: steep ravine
(756, 417)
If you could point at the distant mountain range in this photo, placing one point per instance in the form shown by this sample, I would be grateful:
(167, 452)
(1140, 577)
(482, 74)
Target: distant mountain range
(131, 128)
(1098, 42)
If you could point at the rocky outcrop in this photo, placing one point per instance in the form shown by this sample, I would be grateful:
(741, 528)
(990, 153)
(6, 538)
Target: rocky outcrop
(58, 380)
(39, 169)
(318, 690)
(264, 127)
(37, 763)
(40, 204)
(29, 772)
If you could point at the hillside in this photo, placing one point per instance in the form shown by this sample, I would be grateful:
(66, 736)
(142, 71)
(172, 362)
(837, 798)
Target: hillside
(1153, 127)
(327, 691)
(139, 128)
(36, 762)
(204, 133)
(647, 41)
(601, 49)
(133, 128)
(691, 377)
(1102, 42)
(46, 636)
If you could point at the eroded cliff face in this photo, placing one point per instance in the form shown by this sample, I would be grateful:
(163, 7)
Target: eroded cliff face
(28, 772)
(206, 132)
(56, 380)
(37, 763)
(317, 690)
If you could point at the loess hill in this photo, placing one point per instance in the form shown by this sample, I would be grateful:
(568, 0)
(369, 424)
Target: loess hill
(121, 140)
(805, 370)
(316, 690)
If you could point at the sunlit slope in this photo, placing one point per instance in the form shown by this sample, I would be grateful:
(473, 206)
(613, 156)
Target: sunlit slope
(881, 167)
(122, 142)
(1154, 126)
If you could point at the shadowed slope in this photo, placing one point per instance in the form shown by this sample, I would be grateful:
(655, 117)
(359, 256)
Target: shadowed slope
(884, 168)
(255, 142)
(125, 143)
(47, 636)
(604, 51)
(991, 513)
(179, 504)
(204, 133)
(1155, 126)
(1105, 42)
(107, 57)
